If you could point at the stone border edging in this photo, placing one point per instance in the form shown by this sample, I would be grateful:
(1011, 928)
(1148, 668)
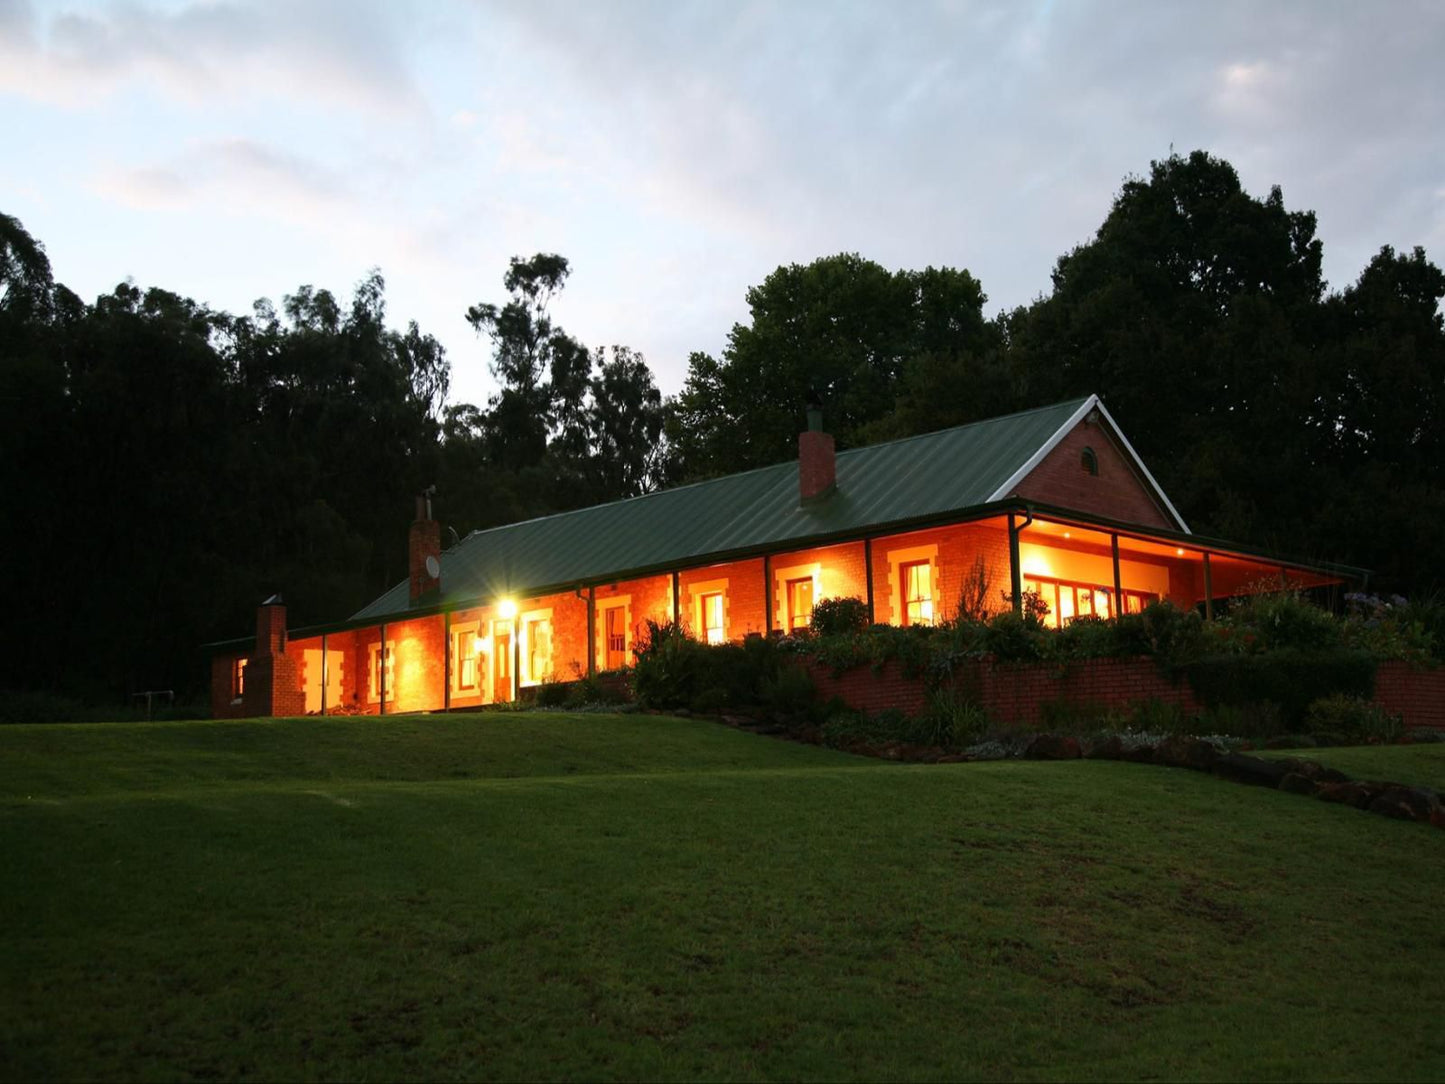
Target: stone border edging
(1292, 775)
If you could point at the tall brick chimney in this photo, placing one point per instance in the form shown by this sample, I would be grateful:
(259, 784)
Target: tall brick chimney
(817, 458)
(424, 551)
(273, 678)
(271, 628)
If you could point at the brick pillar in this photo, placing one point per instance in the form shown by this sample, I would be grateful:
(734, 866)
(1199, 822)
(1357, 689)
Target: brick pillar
(425, 540)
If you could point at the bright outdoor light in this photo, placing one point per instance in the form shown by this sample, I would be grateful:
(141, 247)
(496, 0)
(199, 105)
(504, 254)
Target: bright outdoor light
(1179, 552)
(507, 608)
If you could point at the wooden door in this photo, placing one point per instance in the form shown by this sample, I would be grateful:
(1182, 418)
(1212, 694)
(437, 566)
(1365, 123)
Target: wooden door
(502, 662)
(616, 633)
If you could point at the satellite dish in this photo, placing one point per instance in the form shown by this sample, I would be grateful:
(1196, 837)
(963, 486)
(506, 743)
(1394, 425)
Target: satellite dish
(433, 567)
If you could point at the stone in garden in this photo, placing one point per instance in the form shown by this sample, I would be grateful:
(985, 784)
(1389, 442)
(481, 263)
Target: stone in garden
(1106, 748)
(1295, 783)
(1405, 803)
(1181, 752)
(1138, 754)
(1256, 771)
(988, 750)
(1053, 747)
(1355, 792)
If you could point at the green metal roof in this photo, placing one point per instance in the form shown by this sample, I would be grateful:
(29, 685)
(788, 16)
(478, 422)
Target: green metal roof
(949, 471)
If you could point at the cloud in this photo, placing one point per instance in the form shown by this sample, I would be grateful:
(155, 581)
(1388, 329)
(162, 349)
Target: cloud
(347, 55)
(234, 176)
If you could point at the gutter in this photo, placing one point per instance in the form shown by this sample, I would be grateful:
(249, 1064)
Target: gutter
(1029, 509)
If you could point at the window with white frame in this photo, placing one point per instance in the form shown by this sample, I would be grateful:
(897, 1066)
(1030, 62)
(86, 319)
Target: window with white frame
(380, 679)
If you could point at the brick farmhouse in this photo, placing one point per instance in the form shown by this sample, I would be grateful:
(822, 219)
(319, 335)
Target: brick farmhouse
(1053, 501)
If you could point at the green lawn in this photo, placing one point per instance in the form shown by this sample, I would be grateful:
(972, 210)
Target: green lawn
(615, 897)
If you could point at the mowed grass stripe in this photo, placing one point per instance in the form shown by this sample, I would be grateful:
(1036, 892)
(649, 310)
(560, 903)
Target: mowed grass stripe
(79, 759)
(1011, 920)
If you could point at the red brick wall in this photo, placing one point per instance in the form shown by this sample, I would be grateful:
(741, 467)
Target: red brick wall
(1115, 492)
(569, 632)
(957, 548)
(222, 671)
(1017, 692)
(1012, 693)
(745, 594)
(647, 599)
(418, 649)
(844, 574)
(1418, 695)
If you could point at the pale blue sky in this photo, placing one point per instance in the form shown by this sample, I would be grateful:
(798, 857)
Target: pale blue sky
(677, 152)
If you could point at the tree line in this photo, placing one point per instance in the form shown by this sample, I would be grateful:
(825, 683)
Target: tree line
(164, 466)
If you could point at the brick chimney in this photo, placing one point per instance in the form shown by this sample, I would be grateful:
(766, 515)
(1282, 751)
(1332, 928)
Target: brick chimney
(271, 627)
(817, 458)
(424, 550)
(273, 678)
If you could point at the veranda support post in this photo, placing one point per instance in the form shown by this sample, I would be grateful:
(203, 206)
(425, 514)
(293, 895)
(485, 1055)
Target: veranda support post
(1015, 574)
(1118, 580)
(592, 632)
(767, 594)
(868, 577)
(1208, 589)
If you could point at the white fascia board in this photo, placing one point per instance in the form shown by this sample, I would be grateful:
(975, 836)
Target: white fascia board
(1091, 403)
(1044, 449)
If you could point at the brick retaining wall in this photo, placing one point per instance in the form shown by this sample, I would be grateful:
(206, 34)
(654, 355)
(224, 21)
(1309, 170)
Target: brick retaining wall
(1017, 692)
(1418, 695)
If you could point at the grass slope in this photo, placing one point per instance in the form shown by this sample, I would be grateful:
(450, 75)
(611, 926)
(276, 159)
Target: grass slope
(618, 897)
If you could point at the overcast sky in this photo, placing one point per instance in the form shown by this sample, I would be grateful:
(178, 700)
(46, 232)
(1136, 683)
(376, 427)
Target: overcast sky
(677, 152)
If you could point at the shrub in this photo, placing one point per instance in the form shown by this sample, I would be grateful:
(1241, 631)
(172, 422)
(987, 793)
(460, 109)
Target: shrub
(1174, 636)
(1085, 637)
(951, 719)
(592, 690)
(1285, 620)
(789, 692)
(974, 594)
(839, 616)
(1256, 721)
(1291, 680)
(1156, 716)
(673, 670)
(669, 668)
(1012, 637)
(553, 694)
(1065, 716)
(1353, 718)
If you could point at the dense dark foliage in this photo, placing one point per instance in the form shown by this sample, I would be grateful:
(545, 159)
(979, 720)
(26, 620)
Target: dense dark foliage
(164, 466)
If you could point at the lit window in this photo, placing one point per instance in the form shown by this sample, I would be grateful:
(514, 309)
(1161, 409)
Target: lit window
(238, 679)
(467, 649)
(917, 580)
(537, 638)
(377, 676)
(712, 618)
(800, 603)
(1069, 600)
